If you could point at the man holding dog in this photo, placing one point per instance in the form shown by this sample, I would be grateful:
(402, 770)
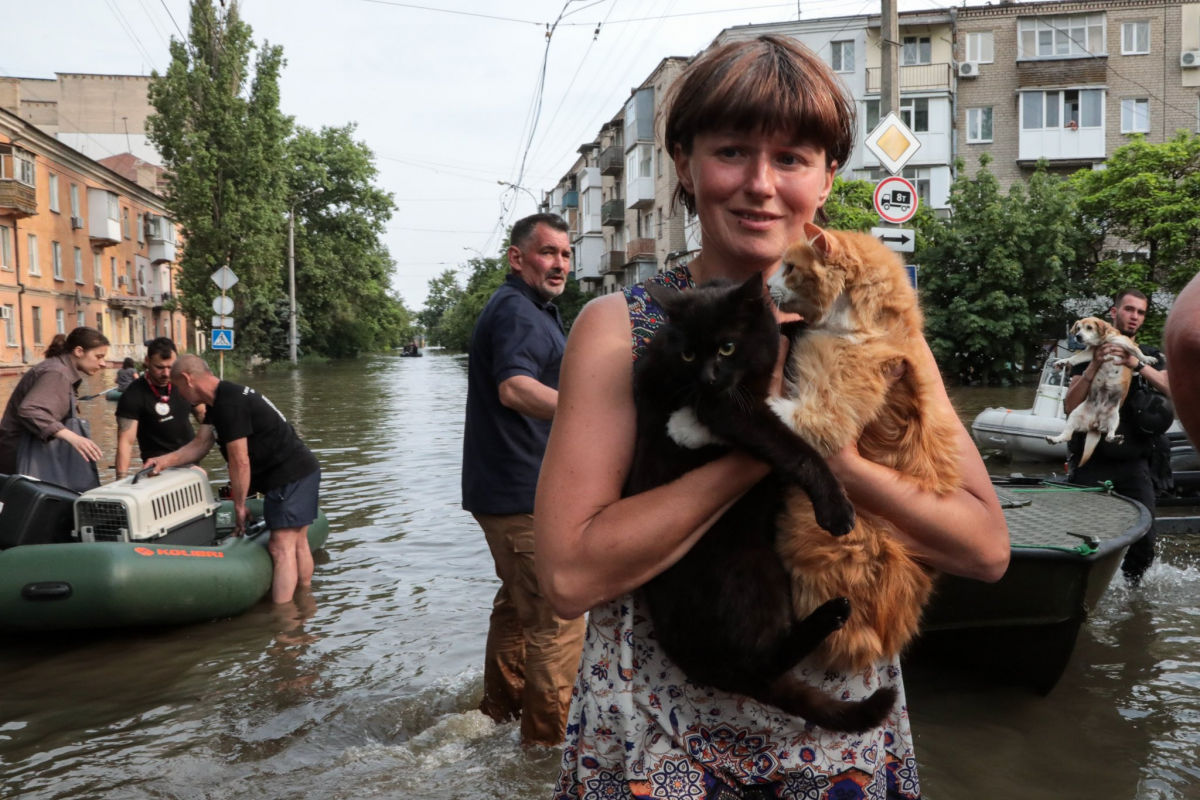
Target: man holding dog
(1133, 463)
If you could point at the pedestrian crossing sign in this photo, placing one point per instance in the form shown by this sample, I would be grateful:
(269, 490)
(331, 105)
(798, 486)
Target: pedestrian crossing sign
(222, 339)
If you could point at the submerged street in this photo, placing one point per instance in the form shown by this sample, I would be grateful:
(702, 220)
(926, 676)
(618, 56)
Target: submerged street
(367, 687)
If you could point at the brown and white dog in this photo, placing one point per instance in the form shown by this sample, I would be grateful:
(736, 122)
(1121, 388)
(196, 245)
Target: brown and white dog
(1100, 412)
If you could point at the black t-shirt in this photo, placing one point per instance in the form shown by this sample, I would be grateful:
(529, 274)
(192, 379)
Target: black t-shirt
(156, 433)
(277, 456)
(1136, 444)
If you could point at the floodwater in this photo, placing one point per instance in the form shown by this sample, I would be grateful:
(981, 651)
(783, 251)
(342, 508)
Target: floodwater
(367, 687)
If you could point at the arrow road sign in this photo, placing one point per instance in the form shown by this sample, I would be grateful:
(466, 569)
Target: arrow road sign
(902, 240)
(222, 340)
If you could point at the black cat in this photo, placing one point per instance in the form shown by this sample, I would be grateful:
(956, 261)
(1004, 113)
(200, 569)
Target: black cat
(723, 612)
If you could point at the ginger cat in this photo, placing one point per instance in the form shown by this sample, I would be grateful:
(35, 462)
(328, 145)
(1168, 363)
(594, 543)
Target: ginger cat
(863, 321)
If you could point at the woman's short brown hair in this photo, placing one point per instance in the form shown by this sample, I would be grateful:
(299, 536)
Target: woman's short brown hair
(771, 84)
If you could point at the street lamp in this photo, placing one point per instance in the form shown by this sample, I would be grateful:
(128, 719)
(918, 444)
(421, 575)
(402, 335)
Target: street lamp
(536, 202)
(293, 338)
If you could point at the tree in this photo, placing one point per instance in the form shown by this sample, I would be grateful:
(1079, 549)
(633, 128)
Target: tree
(1144, 210)
(343, 271)
(851, 205)
(222, 138)
(455, 325)
(994, 275)
(443, 293)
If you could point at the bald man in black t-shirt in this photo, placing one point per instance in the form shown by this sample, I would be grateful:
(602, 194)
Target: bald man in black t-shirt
(265, 455)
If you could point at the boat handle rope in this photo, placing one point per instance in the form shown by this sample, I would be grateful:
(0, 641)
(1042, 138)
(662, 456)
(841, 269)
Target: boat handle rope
(1104, 486)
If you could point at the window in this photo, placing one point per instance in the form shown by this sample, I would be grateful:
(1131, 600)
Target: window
(914, 112)
(659, 224)
(645, 159)
(980, 47)
(112, 263)
(919, 177)
(871, 114)
(80, 319)
(129, 275)
(1135, 38)
(979, 124)
(916, 50)
(53, 193)
(100, 321)
(78, 265)
(37, 324)
(56, 260)
(1135, 115)
(18, 165)
(660, 162)
(60, 321)
(1077, 35)
(75, 201)
(1070, 108)
(10, 326)
(125, 223)
(842, 58)
(141, 230)
(97, 268)
(6, 260)
(35, 268)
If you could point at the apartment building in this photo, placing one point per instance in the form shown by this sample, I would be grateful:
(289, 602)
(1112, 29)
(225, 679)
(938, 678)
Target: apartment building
(617, 196)
(1072, 82)
(97, 115)
(79, 245)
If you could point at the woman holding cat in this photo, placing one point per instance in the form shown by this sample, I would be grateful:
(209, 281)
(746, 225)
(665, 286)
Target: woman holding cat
(757, 130)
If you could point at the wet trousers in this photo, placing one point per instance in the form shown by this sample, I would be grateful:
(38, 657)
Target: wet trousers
(532, 655)
(1132, 479)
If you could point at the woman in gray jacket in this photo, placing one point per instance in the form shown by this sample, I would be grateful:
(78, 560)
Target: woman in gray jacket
(45, 396)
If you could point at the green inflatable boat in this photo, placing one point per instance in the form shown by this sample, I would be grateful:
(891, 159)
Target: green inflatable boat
(139, 552)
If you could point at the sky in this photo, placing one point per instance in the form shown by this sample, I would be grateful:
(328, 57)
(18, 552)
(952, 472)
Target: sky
(444, 92)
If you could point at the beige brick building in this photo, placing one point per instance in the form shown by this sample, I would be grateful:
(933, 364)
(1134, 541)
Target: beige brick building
(1072, 82)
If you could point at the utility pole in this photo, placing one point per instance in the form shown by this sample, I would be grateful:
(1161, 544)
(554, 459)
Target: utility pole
(889, 71)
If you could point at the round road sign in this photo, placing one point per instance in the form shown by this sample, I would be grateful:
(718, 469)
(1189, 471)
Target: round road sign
(895, 199)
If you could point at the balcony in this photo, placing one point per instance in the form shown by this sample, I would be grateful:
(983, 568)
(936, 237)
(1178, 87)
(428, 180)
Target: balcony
(914, 78)
(612, 160)
(612, 213)
(612, 261)
(161, 250)
(17, 199)
(571, 199)
(639, 250)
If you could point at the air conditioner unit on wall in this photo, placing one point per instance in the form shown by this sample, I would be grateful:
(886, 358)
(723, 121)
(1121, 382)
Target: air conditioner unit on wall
(99, 292)
(1189, 58)
(76, 223)
(968, 69)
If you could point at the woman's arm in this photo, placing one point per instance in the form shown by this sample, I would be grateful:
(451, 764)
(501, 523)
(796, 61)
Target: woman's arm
(963, 533)
(591, 544)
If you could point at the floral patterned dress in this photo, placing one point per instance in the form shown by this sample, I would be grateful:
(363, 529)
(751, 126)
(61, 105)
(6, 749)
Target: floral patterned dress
(638, 728)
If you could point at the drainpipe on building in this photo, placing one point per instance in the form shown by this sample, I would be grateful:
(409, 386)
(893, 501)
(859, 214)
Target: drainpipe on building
(20, 288)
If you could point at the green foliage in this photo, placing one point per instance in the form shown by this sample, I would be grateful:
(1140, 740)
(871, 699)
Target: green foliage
(221, 134)
(343, 271)
(453, 329)
(851, 206)
(444, 292)
(1148, 196)
(994, 275)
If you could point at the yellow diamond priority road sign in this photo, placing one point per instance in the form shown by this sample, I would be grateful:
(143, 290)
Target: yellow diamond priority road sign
(892, 143)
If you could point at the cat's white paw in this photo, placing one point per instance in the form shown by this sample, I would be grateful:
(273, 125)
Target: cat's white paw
(784, 408)
(687, 431)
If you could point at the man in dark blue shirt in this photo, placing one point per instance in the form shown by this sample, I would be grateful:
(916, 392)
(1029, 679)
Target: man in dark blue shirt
(512, 392)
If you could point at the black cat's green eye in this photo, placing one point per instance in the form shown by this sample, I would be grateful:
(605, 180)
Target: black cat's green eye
(726, 349)
(688, 357)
